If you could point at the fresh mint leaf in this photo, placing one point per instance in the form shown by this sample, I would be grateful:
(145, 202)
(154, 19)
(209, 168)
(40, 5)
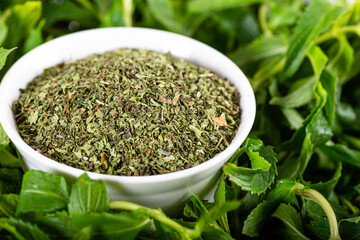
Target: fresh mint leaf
(318, 229)
(341, 59)
(164, 12)
(318, 59)
(7, 159)
(3, 31)
(315, 124)
(219, 198)
(215, 213)
(327, 187)
(35, 37)
(197, 6)
(292, 220)
(257, 218)
(55, 12)
(302, 93)
(350, 228)
(10, 180)
(318, 16)
(4, 139)
(3, 55)
(8, 204)
(212, 233)
(258, 178)
(84, 234)
(195, 208)
(115, 16)
(112, 226)
(88, 196)
(239, 24)
(20, 20)
(261, 48)
(282, 16)
(283, 191)
(22, 230)
(58, 225)
(342, 153)
(42, 192)
(329, 82)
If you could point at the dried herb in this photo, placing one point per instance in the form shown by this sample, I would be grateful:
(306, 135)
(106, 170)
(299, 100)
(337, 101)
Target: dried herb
(128, 112)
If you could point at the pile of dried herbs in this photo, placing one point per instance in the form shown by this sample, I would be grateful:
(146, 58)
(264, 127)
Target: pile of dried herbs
(128, 112)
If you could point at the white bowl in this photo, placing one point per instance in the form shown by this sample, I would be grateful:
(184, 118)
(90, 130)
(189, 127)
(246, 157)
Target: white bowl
(167, 191)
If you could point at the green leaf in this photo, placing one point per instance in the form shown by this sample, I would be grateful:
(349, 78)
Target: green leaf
(21, 19)
(292, 220)
(350, 228)
(88, 196)
(197, 6)
(195, 208)
(3, 55)
(314, 124)
(257, 218)
(329, 82)
(302, 94)
(319, 229)
(260, 49)
(258, 178)
(212, 233)
(327, 187)
(83, 234)
(317, 17)
(67, 11)
(219, 198)
(293, 117)
(42, 192)
(283, 191)
(22, 230)
(215, 213)
(7, 159)
(282, 16)
(239, 24)
(164, 12)
(59, 225)
(10, 180)
(8, 204)
(4, 139)
(35, 37)
(342, 59)
(342, 153)
(4, 225)
(112, 226)
(318, 59)
(346, 114)
(115, 15)
(3, 31)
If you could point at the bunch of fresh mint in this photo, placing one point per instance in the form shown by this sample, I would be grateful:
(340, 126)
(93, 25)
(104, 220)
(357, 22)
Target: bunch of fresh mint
(295, 177)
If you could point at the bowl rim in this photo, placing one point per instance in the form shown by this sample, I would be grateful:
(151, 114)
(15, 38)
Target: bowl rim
(240, 136)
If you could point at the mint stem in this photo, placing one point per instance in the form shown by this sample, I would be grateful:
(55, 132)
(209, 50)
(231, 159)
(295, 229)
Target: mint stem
(315, 196)
(185, 233)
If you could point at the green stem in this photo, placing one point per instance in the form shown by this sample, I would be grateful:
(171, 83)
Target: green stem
(315, 196)
(349, 205)
(264, 9)
(336, 32)
(185, 233)
(128, 11)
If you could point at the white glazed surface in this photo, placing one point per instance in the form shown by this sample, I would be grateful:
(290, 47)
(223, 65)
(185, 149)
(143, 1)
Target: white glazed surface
(167, 191)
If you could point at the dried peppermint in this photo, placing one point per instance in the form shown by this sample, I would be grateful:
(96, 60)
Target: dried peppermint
(128, 112)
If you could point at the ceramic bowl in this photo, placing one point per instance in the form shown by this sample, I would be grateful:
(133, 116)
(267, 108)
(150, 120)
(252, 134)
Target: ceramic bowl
(168, 191)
